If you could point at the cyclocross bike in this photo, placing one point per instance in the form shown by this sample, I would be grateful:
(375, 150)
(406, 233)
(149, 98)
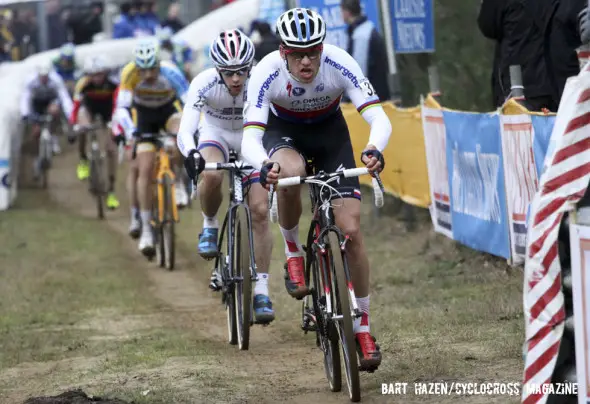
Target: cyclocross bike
(97, 181)
(235, 262)
(164, 211)
(45, 154)
(331, 307)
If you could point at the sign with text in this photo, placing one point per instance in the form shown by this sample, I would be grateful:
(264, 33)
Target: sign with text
(413, 26)
(332, 15)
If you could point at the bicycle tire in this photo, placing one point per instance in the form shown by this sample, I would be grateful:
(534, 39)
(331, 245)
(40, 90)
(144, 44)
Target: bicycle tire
(326, 335)
(345, 327)
(167, 226)
(222, 266)
(97, 185)
(45, 153)
(243, 290)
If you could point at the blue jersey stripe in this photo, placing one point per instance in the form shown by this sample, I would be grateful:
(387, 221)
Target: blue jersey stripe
(176, 79)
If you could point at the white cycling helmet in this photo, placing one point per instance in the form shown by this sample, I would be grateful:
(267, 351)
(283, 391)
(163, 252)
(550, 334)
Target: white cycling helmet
(301, 28)
(96, 64)
(67, 50)
(45, 68)
(147, 53)
(232, 49)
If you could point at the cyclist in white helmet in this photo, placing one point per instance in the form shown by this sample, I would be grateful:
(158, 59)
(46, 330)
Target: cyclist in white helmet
(154, 92)
(65, 65)
(219, 93)
(293, 110)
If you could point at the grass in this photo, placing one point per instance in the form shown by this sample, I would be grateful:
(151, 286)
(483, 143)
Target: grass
(80, 308)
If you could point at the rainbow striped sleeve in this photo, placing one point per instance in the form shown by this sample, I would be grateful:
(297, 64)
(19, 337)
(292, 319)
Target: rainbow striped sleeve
(255, 125)
(368, 105)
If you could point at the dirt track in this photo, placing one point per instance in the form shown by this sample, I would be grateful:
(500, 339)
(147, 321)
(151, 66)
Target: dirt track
(281, 365)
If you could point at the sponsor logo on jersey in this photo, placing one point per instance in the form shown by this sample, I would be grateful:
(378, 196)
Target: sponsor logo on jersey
(319, 88)
(208, 87)
(265, 87)
(310, 104)
(345, 72)
(298, 91)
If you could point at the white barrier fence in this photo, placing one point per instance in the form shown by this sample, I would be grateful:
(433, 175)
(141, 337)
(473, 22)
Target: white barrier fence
(13, 75)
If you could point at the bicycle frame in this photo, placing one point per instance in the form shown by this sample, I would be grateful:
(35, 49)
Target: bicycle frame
(161, 169)
(236, 191)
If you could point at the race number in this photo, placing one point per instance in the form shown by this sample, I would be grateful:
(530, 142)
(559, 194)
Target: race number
(367, 89)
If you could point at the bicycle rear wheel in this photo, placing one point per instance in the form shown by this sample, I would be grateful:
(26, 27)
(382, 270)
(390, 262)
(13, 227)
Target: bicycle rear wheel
(344, 325)
(326, 334)
(167, 243)
(243, 277)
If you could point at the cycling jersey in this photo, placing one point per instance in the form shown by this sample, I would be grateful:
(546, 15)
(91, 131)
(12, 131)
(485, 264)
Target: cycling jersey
(209, 94)
(67, 73)
(37, 96)
(170, 85)
(273, 88)
(97, 99)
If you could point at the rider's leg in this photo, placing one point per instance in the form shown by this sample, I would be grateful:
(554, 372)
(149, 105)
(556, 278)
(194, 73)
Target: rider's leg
(258, 203)
(54, 110)
(145, 164)
(210, 196)
(176, 162)
(83, 170)
(289, 206)
(132, 176)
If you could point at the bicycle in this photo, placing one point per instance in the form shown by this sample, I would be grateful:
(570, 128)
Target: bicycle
(164, 211)
(328, 309)
(236, 266)
(97, 182)
(45, 154)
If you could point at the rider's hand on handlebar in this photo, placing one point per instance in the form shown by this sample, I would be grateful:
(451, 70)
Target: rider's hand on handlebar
(269, 174)
(194, 164)
(373, 159)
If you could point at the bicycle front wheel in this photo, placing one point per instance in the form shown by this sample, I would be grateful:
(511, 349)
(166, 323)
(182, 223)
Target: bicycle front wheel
(168, 236)
(97, 184)
(344, 325)
(243, 276)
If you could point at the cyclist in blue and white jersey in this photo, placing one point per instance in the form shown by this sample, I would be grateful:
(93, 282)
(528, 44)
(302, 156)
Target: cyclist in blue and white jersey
(293, 110)
(219, 93)
(180, 53)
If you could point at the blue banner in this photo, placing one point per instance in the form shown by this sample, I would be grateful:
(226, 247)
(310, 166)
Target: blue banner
(270, 10)
(543, 126)
(413, 25)
(476, 181)
(336, 27)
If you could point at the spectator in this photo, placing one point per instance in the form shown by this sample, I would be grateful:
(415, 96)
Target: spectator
(20, 30)
(57, 24)
(367, 47)
(146, 20)
(86, 24)
(561, 40)
(267, 42)
(124, 26)
(173, 21)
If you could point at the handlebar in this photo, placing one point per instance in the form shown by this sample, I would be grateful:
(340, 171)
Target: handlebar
(378, 188)
(234, 166)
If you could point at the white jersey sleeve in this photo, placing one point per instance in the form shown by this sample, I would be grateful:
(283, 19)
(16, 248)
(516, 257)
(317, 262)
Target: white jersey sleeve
(25, 100)
(196, 99)
(64, 95)
(256, 110)
(364, 97)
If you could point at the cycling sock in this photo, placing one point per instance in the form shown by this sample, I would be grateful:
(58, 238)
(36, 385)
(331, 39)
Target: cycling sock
(261, 287)
(210, 222)
(134, 213)
(146, 218)
(292, 245)
(362, 324)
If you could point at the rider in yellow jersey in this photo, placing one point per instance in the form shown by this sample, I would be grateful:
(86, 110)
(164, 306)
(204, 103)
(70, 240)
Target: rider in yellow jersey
(151, 97)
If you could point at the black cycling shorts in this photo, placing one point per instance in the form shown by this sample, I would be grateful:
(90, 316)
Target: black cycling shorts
(105, 112)
(326, 143)
(152, 120)
(39, 106)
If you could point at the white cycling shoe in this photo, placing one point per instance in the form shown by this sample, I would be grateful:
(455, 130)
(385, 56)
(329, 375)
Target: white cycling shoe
(181, 195)
(135, 228)
(146, 243)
